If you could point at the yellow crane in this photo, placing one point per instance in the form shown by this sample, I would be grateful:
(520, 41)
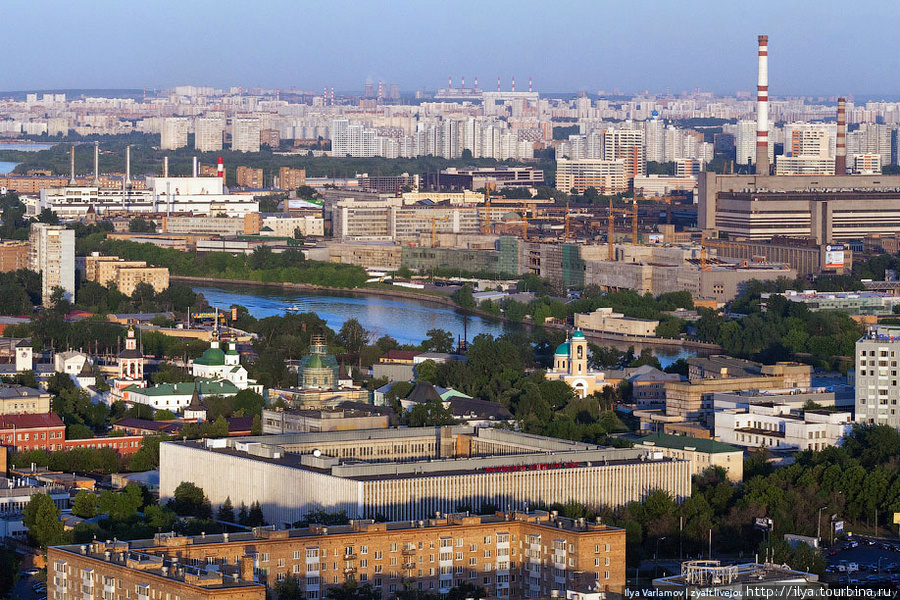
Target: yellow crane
(434, 221)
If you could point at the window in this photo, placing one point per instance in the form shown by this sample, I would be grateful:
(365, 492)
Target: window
(280, 562)
(487, 553)
(363, 563)
(487, 539)
(296, 569)
(378, 555)
(363, 549)
(459, 556)
(605, 574)
(264, 557)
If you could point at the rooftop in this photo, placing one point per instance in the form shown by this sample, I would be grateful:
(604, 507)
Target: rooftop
(681, 442)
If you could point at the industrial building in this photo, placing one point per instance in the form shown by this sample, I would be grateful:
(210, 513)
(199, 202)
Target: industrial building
(411, 473)
(510, 554)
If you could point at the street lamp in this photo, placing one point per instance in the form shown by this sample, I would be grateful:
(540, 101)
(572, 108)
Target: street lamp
(656, 556)
(819, 525)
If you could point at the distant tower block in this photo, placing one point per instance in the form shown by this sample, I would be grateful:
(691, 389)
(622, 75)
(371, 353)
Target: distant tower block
(514, 83)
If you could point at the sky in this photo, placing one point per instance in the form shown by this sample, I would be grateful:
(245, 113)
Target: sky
(816, 47)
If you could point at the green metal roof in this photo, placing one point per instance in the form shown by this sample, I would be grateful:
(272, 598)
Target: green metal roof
(562, 349)
(206, 387)
(682, 442)
(213, 357)
(578, 335)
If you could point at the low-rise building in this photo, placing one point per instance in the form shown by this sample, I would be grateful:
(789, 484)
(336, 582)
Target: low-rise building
(15, 496)
(176, 396)
(20, 399)
(703, 453)
(124, 274)
(605, 320)
(778, 427)
(570, 364)
(324, 419)
(25, 432)
(854, 303)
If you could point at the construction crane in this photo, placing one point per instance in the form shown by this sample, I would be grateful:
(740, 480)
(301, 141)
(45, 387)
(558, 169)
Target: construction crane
(434, 221)
(612, 229)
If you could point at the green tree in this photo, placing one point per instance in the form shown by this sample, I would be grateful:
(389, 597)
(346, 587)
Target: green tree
(140, 225)
(41, 518)
(226, 511)
(255, 515)
(85, 505)
(289, 588)
(430, 414)
(427, 371)
(463, 297)
(188, 500)
(438, 340)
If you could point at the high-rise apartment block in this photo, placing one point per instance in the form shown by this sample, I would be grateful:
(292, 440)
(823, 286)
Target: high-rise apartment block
(877, 390)
(208, 134)
(173, 134)
(626, 144)
(245, 134)
(53, 256)
(270, 138)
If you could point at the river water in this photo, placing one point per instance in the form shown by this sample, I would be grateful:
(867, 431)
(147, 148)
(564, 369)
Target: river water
(405, 320)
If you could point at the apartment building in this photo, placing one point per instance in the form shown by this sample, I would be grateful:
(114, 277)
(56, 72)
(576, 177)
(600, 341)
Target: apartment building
(126, 275)
(20, 399)
(512, 555)
(245, 134)
(121, 571)
(208, 133)
(249, 177)
(53, 256)
(174, 133)
(605, 176)
(779, 427)
(14, 256)
(877, 390)
(291, 179)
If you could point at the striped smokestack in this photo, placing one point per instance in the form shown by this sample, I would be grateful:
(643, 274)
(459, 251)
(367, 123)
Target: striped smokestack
(840, 150)
(762, 108)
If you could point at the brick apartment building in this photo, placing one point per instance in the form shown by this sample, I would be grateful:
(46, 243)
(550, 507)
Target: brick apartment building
(512, 555)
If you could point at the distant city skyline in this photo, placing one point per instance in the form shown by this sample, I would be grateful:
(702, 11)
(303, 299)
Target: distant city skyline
(816, 49)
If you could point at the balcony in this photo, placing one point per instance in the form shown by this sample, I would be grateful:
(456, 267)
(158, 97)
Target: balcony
(409, 565)
(408, 551)
(349, 570)
(350, 556)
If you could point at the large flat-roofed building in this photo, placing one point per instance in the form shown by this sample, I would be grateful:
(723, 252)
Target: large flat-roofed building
(510, 554)
(605, 176)
(703, 454)
(826, 208)
(411, 473)
(101, 571)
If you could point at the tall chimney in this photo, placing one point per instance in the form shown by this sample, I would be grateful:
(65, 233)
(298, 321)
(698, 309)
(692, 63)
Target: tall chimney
(220, 170)
(96, 164)
(498, 83)
(195, 166)
(762, 108)
(128, 166)
(72, 167)
(514, 83)
(840, 150)
(165, 166)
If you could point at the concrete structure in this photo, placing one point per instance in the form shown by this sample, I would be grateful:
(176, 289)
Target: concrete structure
(828, 209)
(325, 419)
(803, 255)
(762, 107)
(411, 473)
(97, 571)
(570, 364)
(779, 427)
(606, 176)
(245, 134)
(209, 133)
(53, 256)
(607, 321)
(877, 390)
(15, 493)
(174, 133)
(703, 454)
(511, 555)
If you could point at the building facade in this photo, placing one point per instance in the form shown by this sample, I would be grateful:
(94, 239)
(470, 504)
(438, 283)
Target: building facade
(411, 473)
(53, 256)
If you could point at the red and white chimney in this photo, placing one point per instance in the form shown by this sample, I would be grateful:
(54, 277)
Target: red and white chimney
(762, 108)
(840, 150)
(498, 83)
(220, 171)
(514, 83)
(529, 83)
(476, 82)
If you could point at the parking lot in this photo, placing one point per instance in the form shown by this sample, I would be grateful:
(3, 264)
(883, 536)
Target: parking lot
(864, 561)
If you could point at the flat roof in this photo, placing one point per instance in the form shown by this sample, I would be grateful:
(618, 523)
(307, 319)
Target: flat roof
(681, 442)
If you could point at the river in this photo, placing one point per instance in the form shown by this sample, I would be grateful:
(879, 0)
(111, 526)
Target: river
(6, 166)
(405, 320)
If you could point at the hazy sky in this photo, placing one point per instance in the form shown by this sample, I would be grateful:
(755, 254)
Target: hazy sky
(815, 46)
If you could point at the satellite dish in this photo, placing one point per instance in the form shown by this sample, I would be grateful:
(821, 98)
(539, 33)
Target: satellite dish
(317, 453)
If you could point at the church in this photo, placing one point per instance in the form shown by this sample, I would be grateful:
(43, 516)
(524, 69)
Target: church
(570, 364)
(217, 364)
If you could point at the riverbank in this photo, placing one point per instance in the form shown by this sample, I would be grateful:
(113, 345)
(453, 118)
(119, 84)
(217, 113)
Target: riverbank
(445, 301)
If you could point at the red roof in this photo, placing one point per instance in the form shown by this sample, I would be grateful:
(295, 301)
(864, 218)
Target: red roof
(30, 421)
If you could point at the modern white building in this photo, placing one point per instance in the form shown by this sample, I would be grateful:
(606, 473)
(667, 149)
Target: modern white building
(245, 134)
(174, 133)
(778, 427)
(877, 389)
(606, 176)
(53, 256)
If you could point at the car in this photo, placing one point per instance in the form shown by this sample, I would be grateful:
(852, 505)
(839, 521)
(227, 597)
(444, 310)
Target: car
(31, 572)
(39, 587)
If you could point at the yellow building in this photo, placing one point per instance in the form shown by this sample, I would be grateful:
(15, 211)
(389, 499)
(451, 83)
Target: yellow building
(570, 365)
(126, 275)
